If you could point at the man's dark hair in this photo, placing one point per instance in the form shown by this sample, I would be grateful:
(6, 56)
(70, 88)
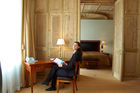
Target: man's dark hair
(78, 43)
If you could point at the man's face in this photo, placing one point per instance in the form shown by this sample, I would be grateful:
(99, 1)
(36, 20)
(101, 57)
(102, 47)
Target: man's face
(75, 46)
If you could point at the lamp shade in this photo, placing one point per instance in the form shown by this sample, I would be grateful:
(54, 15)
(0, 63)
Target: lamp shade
(60, 41)
(103, 42)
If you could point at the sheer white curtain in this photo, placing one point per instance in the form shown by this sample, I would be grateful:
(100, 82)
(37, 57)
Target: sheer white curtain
(10, 44)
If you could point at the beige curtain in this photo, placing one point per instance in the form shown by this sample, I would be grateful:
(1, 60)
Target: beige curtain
(27, 38)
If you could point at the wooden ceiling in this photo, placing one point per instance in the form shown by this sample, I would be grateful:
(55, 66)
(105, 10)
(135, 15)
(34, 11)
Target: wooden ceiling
(97, 9)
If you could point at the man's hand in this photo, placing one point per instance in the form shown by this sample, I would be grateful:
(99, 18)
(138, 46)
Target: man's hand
(59, 65)
(65, 63)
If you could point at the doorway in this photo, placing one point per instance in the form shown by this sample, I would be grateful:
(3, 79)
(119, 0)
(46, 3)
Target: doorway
(97, 24)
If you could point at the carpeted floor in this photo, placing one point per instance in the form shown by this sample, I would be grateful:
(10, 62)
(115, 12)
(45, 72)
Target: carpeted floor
(93, 81)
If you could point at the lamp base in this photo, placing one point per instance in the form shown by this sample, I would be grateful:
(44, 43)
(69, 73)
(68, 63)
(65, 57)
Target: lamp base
(60, 53)
(102, 51)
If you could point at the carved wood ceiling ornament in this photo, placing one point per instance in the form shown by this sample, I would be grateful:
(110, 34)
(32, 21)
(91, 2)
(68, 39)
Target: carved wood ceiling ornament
(97, 9)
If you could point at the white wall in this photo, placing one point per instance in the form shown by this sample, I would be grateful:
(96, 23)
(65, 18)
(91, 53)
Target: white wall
(99, 30)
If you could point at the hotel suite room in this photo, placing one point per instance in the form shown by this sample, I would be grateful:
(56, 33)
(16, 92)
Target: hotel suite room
(109, 32)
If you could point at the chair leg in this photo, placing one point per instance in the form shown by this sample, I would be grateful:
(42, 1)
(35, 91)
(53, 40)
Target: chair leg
(78, 78)
(73, 86)
(57, 86)
(63, 85)
(76, 84)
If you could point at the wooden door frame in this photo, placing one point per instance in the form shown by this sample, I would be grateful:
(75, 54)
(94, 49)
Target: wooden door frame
(79, 37)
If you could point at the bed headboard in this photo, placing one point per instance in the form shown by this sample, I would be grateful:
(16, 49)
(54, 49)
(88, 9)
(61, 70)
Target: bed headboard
(90, 45)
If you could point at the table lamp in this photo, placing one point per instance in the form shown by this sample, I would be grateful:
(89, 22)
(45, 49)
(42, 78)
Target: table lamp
(60, 42)
(102, 45)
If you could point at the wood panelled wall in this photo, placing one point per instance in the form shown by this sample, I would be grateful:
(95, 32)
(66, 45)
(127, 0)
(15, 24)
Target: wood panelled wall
(118, 40)
(130, 38)
(130, 64)
(138, 44)
(55, 19)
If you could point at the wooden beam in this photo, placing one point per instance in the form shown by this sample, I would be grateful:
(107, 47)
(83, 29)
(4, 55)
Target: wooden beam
(92, 17)
(98, 6)
(98, 13)
(83, 8)
(96, 18)
(94, 12)
(98, 1)
(105, 4)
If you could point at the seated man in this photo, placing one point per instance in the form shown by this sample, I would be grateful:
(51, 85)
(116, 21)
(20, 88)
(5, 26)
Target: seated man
(65, 69)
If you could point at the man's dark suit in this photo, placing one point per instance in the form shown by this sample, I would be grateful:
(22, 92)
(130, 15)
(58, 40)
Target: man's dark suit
(66, 70)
